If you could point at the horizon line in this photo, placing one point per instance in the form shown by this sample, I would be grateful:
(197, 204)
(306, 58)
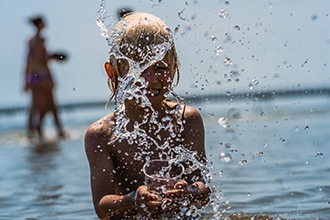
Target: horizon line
(257, 95)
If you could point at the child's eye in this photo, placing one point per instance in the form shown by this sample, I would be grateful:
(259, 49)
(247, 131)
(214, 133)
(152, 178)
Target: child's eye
(161, 68)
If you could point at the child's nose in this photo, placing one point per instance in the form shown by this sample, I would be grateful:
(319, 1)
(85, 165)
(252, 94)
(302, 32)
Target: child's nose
(149, 75)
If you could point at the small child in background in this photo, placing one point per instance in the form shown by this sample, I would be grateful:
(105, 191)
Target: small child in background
(144, 126)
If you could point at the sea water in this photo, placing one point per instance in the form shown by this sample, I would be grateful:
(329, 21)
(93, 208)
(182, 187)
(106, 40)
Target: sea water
(275, 162)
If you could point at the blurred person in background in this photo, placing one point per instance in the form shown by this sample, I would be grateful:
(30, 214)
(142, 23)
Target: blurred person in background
(39, 82)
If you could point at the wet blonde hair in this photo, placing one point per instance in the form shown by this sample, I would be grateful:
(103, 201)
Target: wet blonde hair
(132, 38)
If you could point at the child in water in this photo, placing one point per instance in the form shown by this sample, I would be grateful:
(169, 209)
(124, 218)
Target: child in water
(144, 126)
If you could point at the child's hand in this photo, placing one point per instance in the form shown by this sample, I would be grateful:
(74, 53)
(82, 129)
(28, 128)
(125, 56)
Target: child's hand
(59, 56)
(146, 203)
(176, 198)
(184, 195)
(179, 190)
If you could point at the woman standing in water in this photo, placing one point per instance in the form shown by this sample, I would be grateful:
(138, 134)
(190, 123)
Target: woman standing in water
(145, 126)
(39, 81)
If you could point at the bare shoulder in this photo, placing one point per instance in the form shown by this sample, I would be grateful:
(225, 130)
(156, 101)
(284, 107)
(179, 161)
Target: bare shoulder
(189, 112)
(193, 120)
(102, 125)
(193, 130)
(100, 131)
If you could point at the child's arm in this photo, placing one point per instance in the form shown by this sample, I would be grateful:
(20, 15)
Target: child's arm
(105, 201)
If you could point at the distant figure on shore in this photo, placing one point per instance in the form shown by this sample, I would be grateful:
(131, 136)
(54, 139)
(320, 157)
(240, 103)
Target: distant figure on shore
(39, 82)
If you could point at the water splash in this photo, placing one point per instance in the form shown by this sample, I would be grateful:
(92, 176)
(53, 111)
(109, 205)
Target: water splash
(101, 22)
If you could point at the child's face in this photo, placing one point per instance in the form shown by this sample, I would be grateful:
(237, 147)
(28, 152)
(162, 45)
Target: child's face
(159, 77)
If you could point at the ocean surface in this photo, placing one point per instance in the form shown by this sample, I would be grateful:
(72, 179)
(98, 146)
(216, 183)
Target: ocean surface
(269, 157)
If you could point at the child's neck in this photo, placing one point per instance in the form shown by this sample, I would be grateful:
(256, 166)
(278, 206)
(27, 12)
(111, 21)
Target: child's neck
(139, 114)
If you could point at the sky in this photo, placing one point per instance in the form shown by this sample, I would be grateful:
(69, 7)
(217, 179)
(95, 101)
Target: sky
(223, 46)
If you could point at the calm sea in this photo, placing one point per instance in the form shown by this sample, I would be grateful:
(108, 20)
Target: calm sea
(269, 157)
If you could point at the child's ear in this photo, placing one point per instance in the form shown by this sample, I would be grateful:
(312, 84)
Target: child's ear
(109, 70)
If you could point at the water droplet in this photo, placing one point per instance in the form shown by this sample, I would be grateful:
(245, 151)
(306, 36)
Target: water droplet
(314, 17)
(186, 31)
(234, 74)
(223, 13)
(237, 28)
(258, 154)
(319, 154)
(176, 29)
(180, 15)
(223, 122)
(228, 38)
(253, 83)
(243, 162)
(214, 39)
(227, 61)
(218, 50)
(262, 113)
(225, 157)
(306, 128)
(143, 206)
